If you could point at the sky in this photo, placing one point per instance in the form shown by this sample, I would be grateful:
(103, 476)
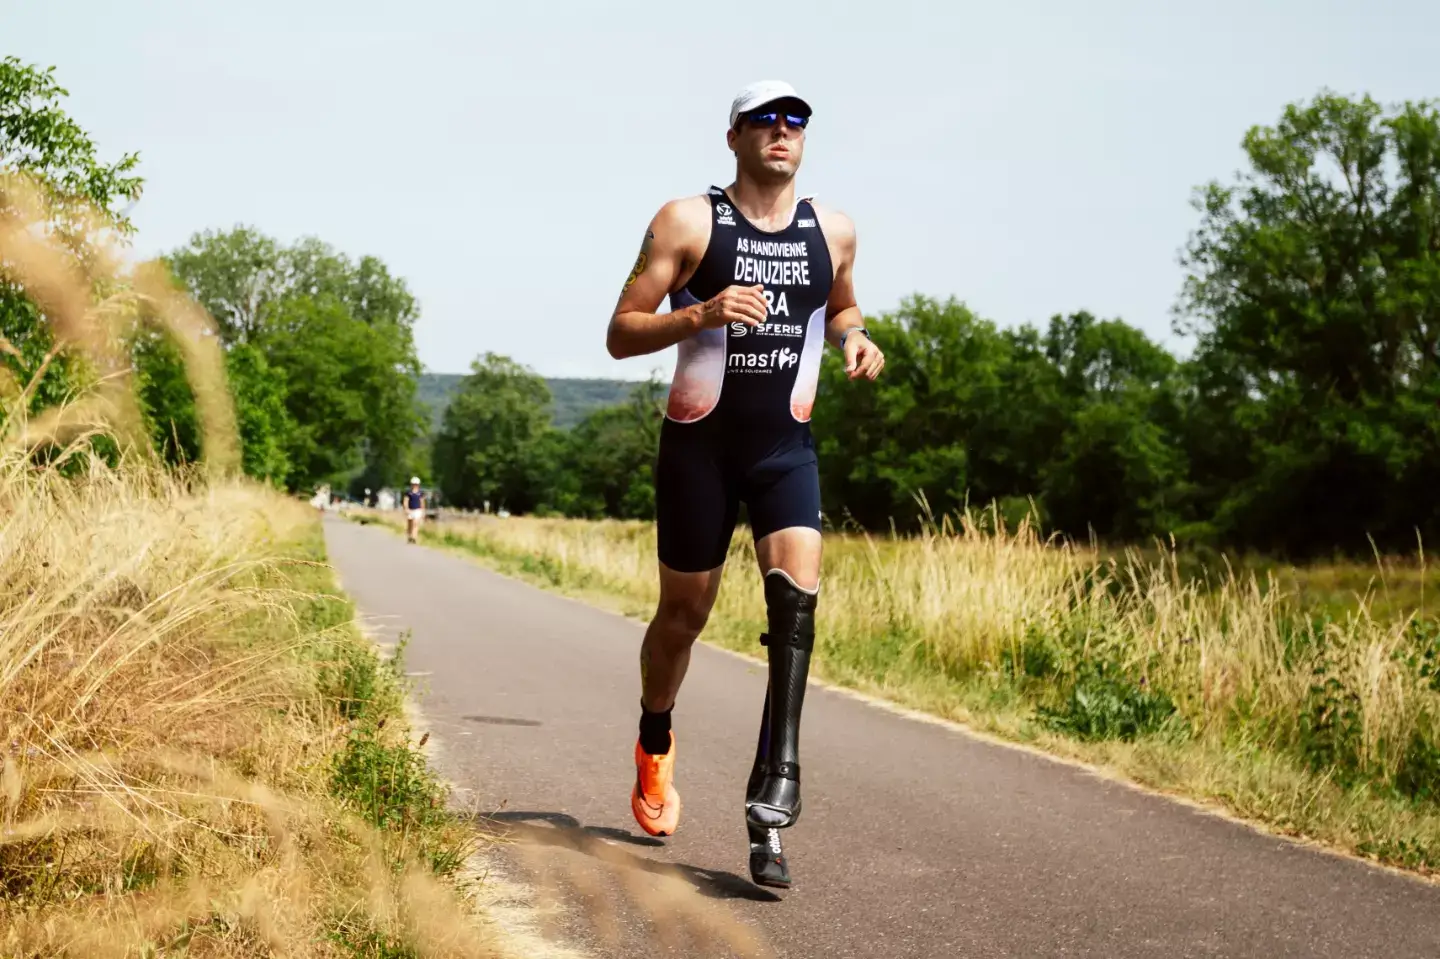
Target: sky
(1027, 159)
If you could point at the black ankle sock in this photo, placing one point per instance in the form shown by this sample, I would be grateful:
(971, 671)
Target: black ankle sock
(655, 731)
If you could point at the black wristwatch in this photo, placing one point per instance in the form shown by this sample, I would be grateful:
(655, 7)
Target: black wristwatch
(854, 329)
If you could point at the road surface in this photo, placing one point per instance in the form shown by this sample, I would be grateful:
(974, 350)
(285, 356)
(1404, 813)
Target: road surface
(916, 840)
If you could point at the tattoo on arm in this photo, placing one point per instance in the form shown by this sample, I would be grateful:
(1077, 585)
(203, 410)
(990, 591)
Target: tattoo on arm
(636, 270)
(641, 260)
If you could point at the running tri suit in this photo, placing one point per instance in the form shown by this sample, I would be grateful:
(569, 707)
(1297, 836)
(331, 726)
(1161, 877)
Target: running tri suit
(737, 427)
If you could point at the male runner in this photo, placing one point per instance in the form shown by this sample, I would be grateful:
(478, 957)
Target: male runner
(414, 509)
(758, 281)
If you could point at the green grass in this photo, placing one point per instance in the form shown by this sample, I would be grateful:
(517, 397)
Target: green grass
(1389, 587)
(380, 773)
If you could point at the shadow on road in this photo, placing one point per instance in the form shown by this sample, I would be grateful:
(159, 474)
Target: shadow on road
(501, 721)
(564, 831)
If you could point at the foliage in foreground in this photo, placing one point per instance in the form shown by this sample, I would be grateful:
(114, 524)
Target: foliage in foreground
(1323, 723)
(201, 756)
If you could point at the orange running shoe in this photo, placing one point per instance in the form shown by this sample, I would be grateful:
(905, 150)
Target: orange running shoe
(653, 799)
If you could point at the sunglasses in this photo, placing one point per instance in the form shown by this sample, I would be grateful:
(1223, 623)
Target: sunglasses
(770, 119)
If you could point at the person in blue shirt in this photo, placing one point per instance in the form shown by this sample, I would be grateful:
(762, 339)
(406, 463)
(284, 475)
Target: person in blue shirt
(414, 509)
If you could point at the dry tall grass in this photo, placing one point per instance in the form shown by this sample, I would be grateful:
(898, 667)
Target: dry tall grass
(168, 741)
(1229, 690)
(195, 757)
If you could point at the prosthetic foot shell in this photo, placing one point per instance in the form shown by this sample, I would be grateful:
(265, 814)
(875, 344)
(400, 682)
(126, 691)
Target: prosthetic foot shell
(767, 859)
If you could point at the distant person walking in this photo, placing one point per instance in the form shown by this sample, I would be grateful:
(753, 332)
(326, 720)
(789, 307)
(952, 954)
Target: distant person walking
(414, 510)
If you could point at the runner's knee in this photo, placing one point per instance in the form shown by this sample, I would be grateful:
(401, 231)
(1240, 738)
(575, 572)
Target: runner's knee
(683, 617)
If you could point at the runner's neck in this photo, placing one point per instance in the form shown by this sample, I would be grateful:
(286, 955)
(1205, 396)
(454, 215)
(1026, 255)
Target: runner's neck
(770, 206)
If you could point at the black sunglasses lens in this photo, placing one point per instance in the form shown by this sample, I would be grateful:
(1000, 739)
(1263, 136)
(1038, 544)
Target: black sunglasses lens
(770, 119)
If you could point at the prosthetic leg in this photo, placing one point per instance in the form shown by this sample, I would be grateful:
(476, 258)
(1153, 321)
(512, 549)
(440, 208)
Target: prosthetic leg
(767, 857)
(775, 802)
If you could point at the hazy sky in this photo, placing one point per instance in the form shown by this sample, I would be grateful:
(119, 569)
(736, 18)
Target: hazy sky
(1027, 158)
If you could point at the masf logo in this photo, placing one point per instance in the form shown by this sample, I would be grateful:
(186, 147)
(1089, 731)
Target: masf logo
(781, 359)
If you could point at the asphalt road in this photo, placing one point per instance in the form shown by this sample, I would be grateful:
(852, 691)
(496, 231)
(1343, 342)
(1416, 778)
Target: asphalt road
(916, 841)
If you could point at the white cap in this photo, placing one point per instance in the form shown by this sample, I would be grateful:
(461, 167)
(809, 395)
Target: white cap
(415, 480)
(761, 93)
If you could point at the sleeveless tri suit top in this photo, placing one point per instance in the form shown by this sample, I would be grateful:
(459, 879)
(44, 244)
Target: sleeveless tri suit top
(756, 378)
(737, 426)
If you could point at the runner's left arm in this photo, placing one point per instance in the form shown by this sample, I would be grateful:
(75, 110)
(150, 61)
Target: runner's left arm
(842, 312)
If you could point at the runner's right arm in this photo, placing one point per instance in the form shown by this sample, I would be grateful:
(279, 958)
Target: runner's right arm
(673, 246)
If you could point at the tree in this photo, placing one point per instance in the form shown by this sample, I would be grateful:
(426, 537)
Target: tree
(1314, 295)
(1117, 465)
(928, 427)
(330, 363)
(495, 442)
(235, 275)
(1079, 421)
(38, 139)
(358, 424)
(259, 389)
(609, 461)
(167, 404)
(238, 275)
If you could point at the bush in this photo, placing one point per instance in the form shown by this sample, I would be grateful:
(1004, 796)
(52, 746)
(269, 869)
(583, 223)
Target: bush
(1105, 704)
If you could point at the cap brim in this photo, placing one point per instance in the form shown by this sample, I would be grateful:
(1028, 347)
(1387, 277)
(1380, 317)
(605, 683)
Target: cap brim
(804, 110)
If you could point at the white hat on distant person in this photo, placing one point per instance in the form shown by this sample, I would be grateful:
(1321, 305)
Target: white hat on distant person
(760, 93)
(415, 480)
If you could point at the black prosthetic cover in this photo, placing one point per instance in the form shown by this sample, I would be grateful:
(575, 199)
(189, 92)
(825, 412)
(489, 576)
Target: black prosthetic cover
(762, 751)
(790, 640)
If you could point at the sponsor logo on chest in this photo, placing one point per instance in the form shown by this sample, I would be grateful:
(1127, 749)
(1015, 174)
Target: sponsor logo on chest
(768, 328)
(767, 362)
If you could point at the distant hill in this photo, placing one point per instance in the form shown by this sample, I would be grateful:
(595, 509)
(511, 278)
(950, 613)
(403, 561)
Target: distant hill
(574, 398)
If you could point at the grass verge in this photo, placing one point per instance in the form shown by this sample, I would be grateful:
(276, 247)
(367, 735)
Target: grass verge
(202, 757)
(1316, 720)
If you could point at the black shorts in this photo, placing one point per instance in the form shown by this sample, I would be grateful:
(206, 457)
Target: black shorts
(704, 473)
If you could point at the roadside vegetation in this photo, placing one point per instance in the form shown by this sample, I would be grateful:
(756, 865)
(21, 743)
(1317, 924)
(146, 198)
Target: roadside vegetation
(202, 756)
(1257, 688)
